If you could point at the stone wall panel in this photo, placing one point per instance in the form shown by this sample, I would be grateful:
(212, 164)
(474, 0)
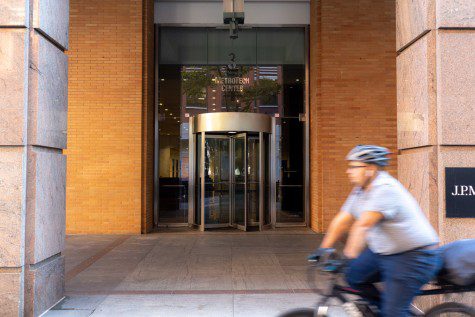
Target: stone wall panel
(413, 18)
(14, 13)
(13, 88)
(456, 87)
(455, 13)
(44, 286)
(48, 94)
(10, 294)
(51, 17)
(46, 204)
(11, 206)
(416, 95)
(417, 171)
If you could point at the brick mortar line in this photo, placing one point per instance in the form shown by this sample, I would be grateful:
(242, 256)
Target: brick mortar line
(91, 260)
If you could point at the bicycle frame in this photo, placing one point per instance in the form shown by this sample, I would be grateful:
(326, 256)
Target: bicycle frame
(338, 292)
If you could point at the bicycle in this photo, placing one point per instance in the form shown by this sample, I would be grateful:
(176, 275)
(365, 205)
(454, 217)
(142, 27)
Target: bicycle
(354, 305)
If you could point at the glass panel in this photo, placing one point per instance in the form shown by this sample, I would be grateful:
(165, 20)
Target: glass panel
(266, 167)
(198, 180)
(239, 190)
(290, 162)
(216, 181)
(183, 46)
(220, 46)
(173, 176)
(173, 152)
(239, 180)
(203, 70)
(293, 90)
(278, 46)
(253, 180)
(201, 46)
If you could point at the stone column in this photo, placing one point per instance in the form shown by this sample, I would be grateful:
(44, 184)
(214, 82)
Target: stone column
(33, 116)
(436, 102)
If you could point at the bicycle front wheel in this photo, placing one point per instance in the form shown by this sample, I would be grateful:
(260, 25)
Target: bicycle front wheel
(451, 309)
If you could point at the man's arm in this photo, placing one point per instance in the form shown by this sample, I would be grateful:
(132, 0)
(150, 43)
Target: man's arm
(357, 239)
(338, 227)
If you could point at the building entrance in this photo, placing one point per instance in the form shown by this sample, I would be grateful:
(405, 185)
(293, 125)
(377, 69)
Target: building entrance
(231, 183)
(231, 130)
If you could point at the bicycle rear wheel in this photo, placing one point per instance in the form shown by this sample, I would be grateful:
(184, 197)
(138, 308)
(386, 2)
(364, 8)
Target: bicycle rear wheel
(451, 309)
(300, 312)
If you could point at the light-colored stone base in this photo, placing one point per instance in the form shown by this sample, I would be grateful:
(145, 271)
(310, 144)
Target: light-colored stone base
(44, 286)
(10, 294)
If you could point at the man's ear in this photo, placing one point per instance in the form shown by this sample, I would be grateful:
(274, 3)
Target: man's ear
(371, 171)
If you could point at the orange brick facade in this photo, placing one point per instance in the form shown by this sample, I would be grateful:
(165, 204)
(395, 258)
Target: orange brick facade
(110, 119)
(352, 93)
(108, 161)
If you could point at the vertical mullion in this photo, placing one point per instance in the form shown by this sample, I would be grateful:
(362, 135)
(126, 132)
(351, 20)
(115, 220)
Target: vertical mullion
(261, 180)
(191, 172)
(202, 172)
(245, 181)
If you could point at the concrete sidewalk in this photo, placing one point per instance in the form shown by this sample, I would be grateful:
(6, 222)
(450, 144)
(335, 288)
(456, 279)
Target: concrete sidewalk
(188, 273)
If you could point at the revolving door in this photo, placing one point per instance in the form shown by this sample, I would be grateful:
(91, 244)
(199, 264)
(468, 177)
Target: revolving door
(231, 183)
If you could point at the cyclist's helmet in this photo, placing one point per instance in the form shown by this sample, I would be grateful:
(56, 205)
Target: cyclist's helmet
(370, 154)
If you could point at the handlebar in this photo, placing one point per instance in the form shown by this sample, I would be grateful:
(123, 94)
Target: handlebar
(331, 262)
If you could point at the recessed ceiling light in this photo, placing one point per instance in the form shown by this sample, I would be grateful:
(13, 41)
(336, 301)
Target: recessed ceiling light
(166, 109)
(297, 80)
(214, 109)
(162, 79)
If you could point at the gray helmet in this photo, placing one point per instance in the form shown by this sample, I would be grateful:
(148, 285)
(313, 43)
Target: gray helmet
(370, 154)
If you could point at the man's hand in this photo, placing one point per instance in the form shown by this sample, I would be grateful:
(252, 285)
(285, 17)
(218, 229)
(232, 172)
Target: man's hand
(319, 253)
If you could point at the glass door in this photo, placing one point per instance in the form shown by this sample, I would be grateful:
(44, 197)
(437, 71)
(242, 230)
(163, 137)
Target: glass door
(239, 181)
(216, 176)
(253, 180)
(230, 182)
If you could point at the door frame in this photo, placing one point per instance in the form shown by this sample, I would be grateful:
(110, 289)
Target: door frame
(272, 150)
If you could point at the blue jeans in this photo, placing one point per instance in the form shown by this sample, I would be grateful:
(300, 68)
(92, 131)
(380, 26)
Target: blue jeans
(403, 275)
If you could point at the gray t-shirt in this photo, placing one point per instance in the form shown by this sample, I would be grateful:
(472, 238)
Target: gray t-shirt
(404, 226)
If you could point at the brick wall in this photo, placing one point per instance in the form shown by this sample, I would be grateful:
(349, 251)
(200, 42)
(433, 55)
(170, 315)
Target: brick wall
(110, 123)
(148, 115)
(105, 131)
(352, 93)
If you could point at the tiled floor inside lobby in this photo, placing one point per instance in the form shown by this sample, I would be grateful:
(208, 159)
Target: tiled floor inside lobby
(187, 274)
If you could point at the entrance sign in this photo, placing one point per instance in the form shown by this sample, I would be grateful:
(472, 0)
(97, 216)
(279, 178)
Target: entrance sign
(460, 192)
(233, 83)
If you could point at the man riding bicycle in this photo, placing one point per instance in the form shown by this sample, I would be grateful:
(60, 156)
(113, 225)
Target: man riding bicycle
(390, 240)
